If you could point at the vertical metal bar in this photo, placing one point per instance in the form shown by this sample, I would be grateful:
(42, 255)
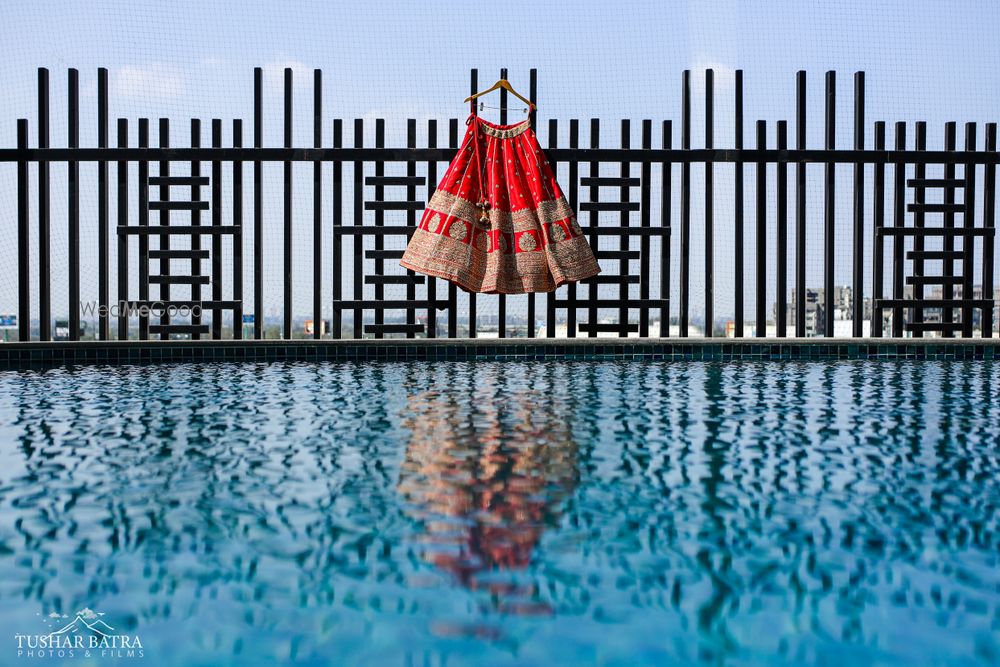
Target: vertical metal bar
(502, 298)
(432, 130)
(709, 196)
(286, 329)
(989, 221)
(738, 245)
(143, 222)
(238, 235)
(217, 222)
(358, 241)
(595, 171)
(760, 326)
(411, 221)
(950, 142)
(452, 288)
(800, 206)
(878, 251)
(102, 206)
(317, 206)
(23, 241)
(195, 222)
(857, 287)
(44, 214)
(122, 173)
(919, 173)
(258, 206)
(164, 239)
(532, 97)
(623, 240)
(337, 261)
(574, 192)
(968, 241)
(685, 286)
(379, 222)
(829, 208)
(646, 169)
(665, 205)
(782, 296)
(550, 298)
(73, 208)
(473, 84)
(899, 221)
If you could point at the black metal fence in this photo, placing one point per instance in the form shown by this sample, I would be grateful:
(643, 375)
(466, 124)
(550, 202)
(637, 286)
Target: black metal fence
(955, 305)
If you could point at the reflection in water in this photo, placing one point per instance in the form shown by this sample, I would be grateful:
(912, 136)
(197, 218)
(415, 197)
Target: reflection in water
(486, 472)
(541, 513)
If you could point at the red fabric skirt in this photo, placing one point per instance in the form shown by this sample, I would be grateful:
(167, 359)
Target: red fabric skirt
(498, 221)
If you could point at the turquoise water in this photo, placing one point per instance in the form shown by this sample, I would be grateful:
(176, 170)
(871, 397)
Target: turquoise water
(505, 513)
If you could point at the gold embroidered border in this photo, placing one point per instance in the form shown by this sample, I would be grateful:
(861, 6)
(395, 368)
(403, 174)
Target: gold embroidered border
(552, 210)
(505, 133)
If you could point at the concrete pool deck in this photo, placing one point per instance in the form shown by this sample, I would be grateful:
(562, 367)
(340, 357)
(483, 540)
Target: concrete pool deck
(64, 353)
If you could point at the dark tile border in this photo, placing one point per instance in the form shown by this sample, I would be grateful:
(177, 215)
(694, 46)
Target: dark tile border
(30, 355)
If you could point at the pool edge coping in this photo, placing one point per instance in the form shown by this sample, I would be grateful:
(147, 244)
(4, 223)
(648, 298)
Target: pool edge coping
(66, 353)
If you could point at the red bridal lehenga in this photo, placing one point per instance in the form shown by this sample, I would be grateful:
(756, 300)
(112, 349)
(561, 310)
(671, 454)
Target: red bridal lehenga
(498, 221)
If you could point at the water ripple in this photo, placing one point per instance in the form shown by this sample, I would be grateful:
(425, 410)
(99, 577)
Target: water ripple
(538, 513)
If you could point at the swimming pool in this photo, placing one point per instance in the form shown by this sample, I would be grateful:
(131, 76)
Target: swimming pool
(505, 512)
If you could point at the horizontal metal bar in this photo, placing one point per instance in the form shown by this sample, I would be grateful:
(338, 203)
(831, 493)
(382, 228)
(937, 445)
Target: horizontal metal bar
(178, 206)
(395, 280)
(935, 182)
(384, 254)
(634, 155)
(394, 328)
(935, 208)
(618, 303)
(934, 326)
(180, 280)
(395, 180)
(934, 280)
(618, 254)
(610, 181)
(933, 303)
(606, 326)
(147, 230)
(936, 231)
(369, 230)
(178, 254)
(388, 304)
(613, 280)
(609, 206)
(178, 180)
(178, 328)
(185, 303)
(394, 205)
(627, 231)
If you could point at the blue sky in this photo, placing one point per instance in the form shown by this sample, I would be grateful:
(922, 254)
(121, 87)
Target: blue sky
(395, 60)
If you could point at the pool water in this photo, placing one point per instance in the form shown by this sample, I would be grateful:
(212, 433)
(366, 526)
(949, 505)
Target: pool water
(843, 513)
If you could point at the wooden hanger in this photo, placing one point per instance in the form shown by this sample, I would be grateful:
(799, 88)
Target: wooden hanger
(505, 84)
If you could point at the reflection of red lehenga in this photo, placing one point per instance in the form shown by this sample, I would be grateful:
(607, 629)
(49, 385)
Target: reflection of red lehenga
(485, 495)
(498, 221)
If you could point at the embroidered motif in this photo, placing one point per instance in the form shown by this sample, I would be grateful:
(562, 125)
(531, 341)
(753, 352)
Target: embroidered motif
(436, 223)
(457, 230)
(526, 241)
(558, 233)
(481, 241)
